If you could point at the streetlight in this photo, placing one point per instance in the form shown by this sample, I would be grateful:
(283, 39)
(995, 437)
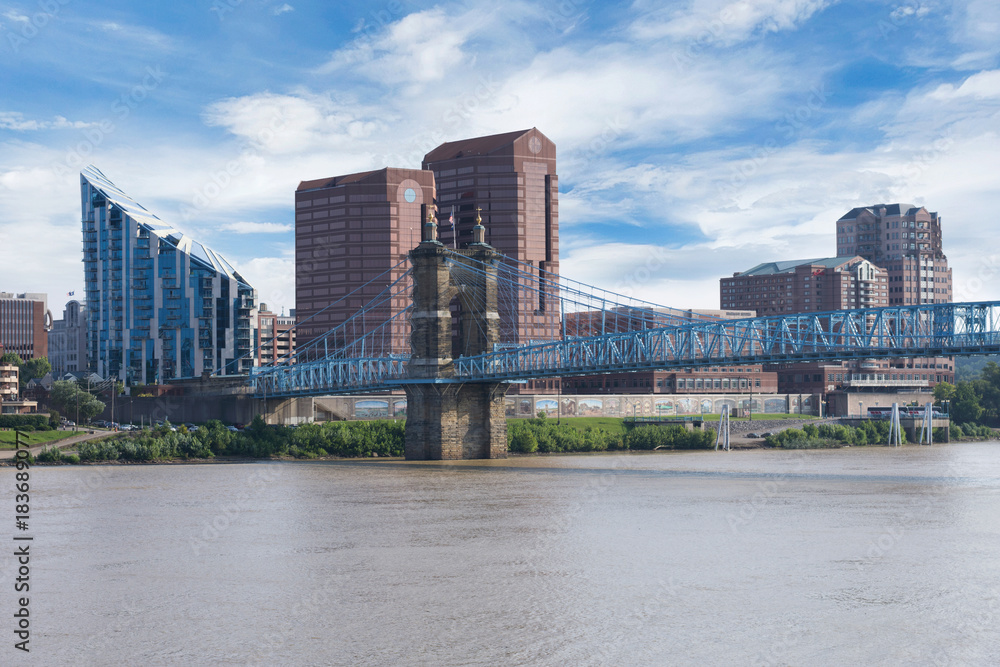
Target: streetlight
(860, 413)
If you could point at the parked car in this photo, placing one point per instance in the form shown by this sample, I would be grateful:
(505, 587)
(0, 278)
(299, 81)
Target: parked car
(753, 435)
(233, 428)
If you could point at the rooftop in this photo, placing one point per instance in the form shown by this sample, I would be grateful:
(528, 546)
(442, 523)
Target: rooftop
(773, 268)
(475, 146)
(891, 210)
(199, 252)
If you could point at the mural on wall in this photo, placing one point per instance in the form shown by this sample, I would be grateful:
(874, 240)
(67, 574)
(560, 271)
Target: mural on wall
(664, 407)
(607, 406)
(775, 406)
(719, 403)
(509, 407)
(546, 405)
(685, 405)
(371, 409)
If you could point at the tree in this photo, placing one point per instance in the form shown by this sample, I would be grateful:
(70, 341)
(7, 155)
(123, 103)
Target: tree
(965, 406)
(988, 388)
(943, 391)
(9, 358)
(70, 399)
(35, 368)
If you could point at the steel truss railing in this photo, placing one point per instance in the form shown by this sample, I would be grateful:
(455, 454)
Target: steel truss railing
(581, 309)
(909, 331)
(329, 376)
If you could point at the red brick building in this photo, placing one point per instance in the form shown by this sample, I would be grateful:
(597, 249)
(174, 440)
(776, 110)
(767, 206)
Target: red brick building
(275, 337)
(808, 285)
(350, 230)
(512, 178)
(25, 321)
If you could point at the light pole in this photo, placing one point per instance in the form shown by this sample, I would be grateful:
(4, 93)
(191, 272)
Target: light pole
(861, 414)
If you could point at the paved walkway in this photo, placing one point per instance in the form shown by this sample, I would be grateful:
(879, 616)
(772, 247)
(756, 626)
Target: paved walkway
(62, 444)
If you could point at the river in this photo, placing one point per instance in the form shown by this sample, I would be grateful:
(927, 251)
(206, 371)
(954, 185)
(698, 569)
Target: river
(871, 556)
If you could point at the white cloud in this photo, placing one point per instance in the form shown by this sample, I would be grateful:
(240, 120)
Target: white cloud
(16, 16)
(283, 9)
(10, 120)
(257, 228)
(420, 48)
(980, 85)
(274, 279)
(722, 22)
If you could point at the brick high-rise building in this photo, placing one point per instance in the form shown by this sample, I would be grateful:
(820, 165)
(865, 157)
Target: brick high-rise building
(512, 178)
(25, 321)
(350, 230)
(807, 285)
(275, 337)
(907, 241)
(888, 255)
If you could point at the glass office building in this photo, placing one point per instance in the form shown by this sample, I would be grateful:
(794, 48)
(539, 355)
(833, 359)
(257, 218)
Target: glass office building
(160, 305)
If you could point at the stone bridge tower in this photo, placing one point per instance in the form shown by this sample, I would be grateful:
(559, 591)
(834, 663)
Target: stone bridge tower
(447, 419)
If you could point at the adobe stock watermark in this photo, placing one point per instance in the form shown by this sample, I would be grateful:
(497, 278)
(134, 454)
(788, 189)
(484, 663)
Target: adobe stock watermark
(464, 107)
(610, 134)
(221, 178)
(121, 108)
(985, 273)
(564, 15)
(230, 512)
(31, 26)
(711, 32)
(378, 20)
(786, 128)
(914, 516)
(927, 157)
(223, 7)
(655, 258)
(900, 16)
(767, 490)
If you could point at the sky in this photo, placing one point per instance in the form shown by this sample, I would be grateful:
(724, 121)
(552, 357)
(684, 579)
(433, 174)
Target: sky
(695, 139)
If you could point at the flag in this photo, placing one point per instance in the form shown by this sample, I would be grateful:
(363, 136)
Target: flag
(454, 232)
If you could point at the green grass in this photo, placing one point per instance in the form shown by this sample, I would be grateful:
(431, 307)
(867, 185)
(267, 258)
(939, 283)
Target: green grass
(33, 437)
(581, 423)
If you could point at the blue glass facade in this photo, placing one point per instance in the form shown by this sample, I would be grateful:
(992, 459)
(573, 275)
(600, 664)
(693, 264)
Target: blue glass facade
(164, 305)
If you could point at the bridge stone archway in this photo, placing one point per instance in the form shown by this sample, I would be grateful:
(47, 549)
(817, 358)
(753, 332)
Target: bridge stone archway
(448, 419)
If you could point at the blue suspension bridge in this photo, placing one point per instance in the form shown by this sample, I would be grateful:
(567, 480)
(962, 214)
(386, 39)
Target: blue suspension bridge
(479, 304)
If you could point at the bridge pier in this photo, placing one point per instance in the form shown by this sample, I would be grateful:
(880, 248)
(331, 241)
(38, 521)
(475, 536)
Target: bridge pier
(447, 422)
(447, 419)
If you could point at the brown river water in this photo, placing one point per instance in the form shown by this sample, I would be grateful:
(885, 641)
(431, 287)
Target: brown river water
(856, 556)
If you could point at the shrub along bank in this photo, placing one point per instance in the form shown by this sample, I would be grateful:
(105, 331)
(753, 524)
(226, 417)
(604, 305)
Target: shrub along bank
(811, 436)
(543, 435)
(347, 439)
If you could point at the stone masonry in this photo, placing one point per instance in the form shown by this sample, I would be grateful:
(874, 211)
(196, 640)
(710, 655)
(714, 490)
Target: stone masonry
(447, 419)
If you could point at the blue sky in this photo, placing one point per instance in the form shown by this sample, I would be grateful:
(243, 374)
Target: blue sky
(695, 139)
